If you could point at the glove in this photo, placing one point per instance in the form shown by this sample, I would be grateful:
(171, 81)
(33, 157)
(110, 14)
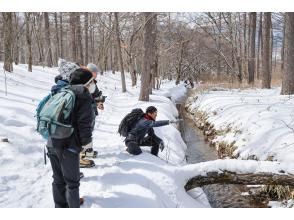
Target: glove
(100, 105)
(87, 147)
(161, 146)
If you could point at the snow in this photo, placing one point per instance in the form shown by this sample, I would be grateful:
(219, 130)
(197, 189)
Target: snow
(118, 179)
(261, 121)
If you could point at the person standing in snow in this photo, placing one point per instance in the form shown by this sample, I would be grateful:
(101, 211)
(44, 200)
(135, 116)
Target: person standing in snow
(142, 133)
(64, 153)
(97, 94)
(65, 69)
(98, 100)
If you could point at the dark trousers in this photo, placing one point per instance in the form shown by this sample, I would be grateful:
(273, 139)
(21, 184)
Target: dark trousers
(134, 147)
(66, 177)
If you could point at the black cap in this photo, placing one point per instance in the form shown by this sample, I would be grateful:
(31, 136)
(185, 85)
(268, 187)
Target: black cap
(151, 109)
(80, 76)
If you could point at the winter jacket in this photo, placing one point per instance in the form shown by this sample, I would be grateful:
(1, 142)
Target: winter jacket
(59, 85)
(143, 127)
(83, 118)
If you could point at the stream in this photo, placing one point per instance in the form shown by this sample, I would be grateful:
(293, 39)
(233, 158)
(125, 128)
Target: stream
(218, 195)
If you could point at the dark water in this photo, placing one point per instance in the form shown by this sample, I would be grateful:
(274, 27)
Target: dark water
(219, 195)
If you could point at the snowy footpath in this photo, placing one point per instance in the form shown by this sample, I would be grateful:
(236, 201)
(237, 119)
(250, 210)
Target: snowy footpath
(118, 179)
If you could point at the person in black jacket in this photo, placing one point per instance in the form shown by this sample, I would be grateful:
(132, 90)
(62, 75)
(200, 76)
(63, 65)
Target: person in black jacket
(64, 153)
(142, 133)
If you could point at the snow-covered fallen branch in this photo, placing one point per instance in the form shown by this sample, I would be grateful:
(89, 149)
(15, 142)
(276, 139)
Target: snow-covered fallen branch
(227, 177)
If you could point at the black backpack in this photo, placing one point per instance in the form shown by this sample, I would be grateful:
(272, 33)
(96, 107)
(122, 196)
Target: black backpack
(129, 121)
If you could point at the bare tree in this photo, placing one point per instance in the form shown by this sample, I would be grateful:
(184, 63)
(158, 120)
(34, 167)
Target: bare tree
(7, 18)
(259, 46)
(72, 21)
(148, 48)
(86, 15)
(283, 45)
(57, 42)
(245, 63)
(251, 61)
(218, 71)
(61, 35)
(288, 72)
(29, 41)
(80, 55)
(123, 80)
(49, 59)
(37, 31)
(266, 59)
(17, 39)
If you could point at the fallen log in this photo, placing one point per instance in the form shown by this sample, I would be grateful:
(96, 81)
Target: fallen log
(227, 177)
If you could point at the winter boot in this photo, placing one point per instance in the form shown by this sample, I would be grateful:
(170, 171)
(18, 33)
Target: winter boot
(89, 153)
(85, 163)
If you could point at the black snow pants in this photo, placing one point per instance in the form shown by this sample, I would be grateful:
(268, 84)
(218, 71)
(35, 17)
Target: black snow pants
(66, 177)
(134, 148)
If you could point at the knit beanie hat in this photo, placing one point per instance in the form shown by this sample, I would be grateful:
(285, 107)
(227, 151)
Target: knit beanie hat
(92, 67)
(66, 68)
(80, 76)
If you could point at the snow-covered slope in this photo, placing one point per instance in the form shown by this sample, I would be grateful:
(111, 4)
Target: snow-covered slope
(119, 179)
(259, 121)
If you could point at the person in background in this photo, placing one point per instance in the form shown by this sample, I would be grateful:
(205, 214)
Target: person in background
(98, 103)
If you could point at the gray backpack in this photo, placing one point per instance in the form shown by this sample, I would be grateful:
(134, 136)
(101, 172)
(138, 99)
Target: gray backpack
(54, 114)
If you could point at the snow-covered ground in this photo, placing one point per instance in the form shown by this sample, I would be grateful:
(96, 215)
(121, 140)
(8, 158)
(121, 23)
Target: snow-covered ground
(260, 121)
(118, 179)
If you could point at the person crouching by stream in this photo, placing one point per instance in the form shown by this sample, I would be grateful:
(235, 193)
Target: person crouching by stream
(142, 133)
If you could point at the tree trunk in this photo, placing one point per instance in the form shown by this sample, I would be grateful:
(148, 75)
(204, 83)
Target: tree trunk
(29, 41)
(72, 21)
(233, 54)
(288, 72)
(179, 67)
(245, 46)
(271, 49)
(154, 55)
(266, 59)
(47, 40)
(251, 61)
(80, 56)
(61, 35)
(146, 79)
(123, 80)
(218, 64)
(92, 40)
(259, 45)
(57, 47)
(16, 51)
(86, 38)
(38, 30)
(283, 46)
(227, 177)
(7, 17)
